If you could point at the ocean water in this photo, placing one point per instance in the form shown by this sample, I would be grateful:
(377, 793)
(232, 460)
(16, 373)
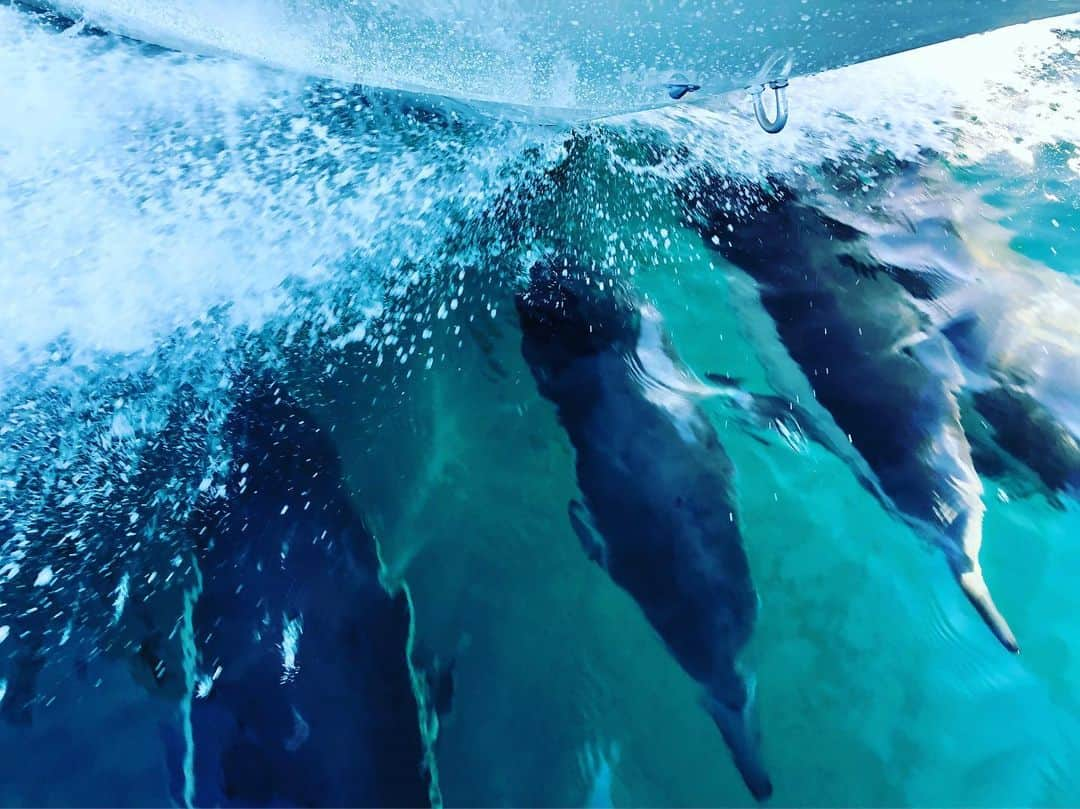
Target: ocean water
(205, 260)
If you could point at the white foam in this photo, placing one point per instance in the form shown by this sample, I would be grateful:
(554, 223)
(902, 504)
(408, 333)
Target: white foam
(139, 191)
(291, 630)
(121, 597)
(101, 244)
(1007, 91)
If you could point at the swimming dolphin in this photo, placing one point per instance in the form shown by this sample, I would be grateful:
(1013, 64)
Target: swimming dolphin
(658, 512)
(277, 673)
(886, 384)
(1011, 321)
(304, 692)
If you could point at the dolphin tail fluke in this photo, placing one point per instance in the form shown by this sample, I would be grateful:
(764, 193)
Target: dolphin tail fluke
(736, 726)
(974, 586)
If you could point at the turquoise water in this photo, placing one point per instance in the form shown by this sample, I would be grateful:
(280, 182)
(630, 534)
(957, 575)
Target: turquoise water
(877, 684)
(182, 229)
(1039, 207)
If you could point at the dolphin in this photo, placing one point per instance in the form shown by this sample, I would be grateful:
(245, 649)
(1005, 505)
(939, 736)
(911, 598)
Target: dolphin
(658, 512)
(304, 693)
(1011, 322)
(277, 672)
(884, 381)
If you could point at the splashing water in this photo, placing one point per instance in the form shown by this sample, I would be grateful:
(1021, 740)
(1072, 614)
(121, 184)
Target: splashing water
(167, 220)
(177, 226)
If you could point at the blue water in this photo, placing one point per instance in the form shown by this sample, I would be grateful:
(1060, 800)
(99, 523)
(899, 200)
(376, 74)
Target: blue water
(211, 268)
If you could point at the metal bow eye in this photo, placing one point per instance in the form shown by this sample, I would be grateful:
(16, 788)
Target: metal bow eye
(774, 124)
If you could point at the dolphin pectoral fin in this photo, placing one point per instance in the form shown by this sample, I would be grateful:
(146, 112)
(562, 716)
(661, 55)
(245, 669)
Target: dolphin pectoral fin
(974, 586)
(763, 416)
(587, 532)
(767, 418)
